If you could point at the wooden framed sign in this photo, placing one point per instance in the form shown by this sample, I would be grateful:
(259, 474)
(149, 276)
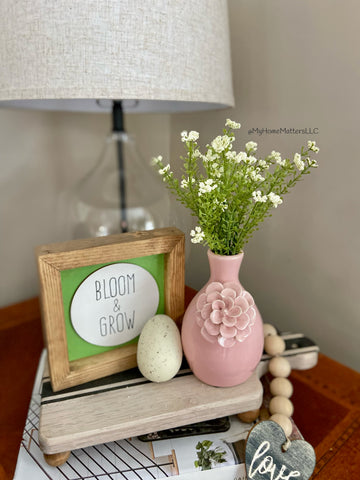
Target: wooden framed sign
(97, 294)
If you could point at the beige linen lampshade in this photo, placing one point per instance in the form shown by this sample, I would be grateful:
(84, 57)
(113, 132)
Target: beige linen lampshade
(152, 55)
(157, 55)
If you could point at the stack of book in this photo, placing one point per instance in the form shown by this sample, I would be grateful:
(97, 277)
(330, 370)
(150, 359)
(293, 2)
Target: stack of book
(190, 452)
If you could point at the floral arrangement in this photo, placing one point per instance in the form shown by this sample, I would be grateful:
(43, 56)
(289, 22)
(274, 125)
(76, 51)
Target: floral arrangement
(232, 192)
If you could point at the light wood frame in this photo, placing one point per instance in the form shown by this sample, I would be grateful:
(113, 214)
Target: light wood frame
(54, 258)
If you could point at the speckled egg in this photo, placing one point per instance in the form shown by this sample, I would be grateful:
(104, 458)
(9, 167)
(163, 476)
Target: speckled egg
(159, 351)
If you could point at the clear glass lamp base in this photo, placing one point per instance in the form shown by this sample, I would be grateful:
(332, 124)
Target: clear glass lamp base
(121, 193)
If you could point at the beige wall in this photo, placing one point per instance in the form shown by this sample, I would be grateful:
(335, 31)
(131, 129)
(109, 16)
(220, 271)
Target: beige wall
(41, 155)
(295, 65)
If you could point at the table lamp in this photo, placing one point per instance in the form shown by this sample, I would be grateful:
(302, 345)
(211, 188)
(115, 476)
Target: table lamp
(119, 55)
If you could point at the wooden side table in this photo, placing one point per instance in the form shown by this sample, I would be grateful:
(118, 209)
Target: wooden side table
(326, 398)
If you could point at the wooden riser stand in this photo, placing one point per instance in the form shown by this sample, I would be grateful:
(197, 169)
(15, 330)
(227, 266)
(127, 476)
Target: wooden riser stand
(127, 405)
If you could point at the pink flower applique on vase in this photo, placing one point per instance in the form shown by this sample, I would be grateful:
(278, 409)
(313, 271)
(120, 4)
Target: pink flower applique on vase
(225, 313)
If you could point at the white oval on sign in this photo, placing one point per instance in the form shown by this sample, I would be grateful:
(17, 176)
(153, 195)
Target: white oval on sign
(111, 305)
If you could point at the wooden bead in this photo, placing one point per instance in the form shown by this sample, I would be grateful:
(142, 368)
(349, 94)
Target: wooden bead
(274, 345)
(250, 416)
(284, 422)
(281, 405)
(281, 386)
(269, 329)
(279, 367)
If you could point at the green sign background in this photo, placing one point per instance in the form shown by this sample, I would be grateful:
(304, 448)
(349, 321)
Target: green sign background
(72, 278)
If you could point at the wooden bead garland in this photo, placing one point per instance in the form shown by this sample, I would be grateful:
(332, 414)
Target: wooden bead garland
(273, 344)
(281, 386)
(269, 329)
(280, 407)
(283, 421)
(279, 367)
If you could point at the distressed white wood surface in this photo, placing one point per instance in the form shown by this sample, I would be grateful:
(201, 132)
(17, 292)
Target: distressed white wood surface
(139, 409)
(109, 416)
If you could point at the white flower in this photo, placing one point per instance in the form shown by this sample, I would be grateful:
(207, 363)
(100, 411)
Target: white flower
(157, 160)
(263, 164)
(197, 153)
(254, 174)
(300, 165)
(231, 124)
(162, 171)
(312, 163)
(257, 177)
(312, 146)
(185, 182)
(241, 157)
(251, 160)
(184, 136)
(276, 156)
(231, 155)
(189, 137)
(210, 156)
(221, 143)
(193, 136)
(207, 186)
(275, 199)
(197, 235)
(258, 197)
(251, 147)
(218, 170)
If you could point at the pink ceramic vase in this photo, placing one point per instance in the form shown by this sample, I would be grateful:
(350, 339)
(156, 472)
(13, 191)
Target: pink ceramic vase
(222, 331)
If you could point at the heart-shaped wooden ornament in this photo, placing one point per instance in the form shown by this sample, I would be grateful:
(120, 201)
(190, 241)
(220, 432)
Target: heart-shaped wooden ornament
(270, 456)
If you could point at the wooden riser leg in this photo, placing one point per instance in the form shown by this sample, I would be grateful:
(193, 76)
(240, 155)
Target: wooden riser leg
(249, 416)
(56, 459)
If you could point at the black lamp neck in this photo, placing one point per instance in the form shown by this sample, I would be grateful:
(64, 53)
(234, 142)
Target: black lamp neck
(118, 117)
